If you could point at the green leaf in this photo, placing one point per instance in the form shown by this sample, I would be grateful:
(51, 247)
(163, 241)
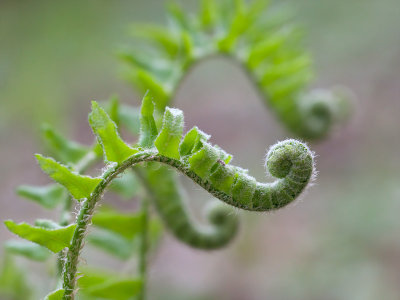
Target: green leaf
(148, 128)
(127, 185)
(202, 161)
(65, 150)
(147, 81)
(27, 249)
(222, 177)
(101, 284)
(243, 189)
(56, 295)
(168, 140)
(158, 35)
(112, 243)
(78, 185)
(192, 141)
(53, 239)
(116, 289)
(208, 13)
(155, 232)
(177, 16)
(48, 224)
(13, 282)
(188, 46)
(115, 149)
(48, 196)
(127, 225)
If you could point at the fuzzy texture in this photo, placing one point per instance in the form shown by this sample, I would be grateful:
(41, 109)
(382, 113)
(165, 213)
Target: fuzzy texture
(266, 196)
(194, 156)
(291, 161)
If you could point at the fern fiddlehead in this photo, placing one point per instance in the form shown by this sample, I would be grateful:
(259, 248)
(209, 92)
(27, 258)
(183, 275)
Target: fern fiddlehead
(268, 51)
(207, 165)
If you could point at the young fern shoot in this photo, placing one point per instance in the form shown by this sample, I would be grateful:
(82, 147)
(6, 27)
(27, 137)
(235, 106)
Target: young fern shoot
(290, 161)
(251, 35)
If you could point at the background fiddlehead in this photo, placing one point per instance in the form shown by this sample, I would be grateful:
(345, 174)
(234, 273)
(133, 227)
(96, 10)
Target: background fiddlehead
(168, 201)
(267, 49)
(205, 164)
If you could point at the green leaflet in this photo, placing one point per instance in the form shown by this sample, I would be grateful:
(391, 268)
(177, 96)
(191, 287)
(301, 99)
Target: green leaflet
(127, 225)
(168, 140)
(56, 295)
(147, 81)
(115, 149)
(78, 185)
(159, 36)
(192, 141)
(53, 239)
(202, 161)
(127, 185)
(208, 13)
(101, 284)
(177, 16)
(155, 232)
(148, 128)
(67, 151)
(112, 243)
(48, 196)
(48, 224)
(115, 289)
(222, 177)
(13, 281)
(27, 249)
(243, 189)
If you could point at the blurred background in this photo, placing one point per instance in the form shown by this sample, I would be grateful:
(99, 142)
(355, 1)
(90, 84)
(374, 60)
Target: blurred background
(340, 241)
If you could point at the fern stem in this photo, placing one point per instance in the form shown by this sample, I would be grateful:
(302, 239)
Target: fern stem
(64, 221)
(144, 245)
(293, 166)
(83, 220)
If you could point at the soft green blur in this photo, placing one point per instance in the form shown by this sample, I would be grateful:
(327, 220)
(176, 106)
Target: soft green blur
(340, 241)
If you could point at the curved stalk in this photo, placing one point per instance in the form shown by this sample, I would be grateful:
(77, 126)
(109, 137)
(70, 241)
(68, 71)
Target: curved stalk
(144, 245)
(290, 161)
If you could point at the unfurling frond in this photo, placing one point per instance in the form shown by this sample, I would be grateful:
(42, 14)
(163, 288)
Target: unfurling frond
(268, 51)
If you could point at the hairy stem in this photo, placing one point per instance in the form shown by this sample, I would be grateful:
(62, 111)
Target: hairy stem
(64, 221)
(144, 245)
(81, 166)
(268, 196)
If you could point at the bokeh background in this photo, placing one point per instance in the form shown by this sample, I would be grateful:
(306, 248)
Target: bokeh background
(340, 241)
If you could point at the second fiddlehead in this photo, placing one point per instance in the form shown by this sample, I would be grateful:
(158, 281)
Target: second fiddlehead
(167, 198)
(266, 49)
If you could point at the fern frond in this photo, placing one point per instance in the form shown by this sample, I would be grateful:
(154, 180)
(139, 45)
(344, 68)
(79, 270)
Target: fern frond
(192, 155)
(270, 52)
